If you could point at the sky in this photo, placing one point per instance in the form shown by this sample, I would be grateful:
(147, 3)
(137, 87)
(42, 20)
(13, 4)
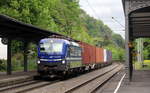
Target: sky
(105, 10)
(3, 50)
(99, 9)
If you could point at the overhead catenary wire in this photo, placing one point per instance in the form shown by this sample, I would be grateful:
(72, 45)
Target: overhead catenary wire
(93, 10)
(118, 22)
(95, 13)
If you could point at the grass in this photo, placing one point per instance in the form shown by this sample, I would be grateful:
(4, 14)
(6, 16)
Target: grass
(138, 65)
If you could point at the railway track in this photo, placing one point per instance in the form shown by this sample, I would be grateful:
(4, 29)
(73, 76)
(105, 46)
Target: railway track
(26, 86)
(86, 83)
(95, 83)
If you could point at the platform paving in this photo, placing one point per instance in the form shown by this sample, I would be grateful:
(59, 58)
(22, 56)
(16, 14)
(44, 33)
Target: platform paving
(16, 77)
(140, 83)
(3, 75)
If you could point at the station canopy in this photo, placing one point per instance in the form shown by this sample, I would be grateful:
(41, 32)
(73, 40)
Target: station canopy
(139, 22)
(10, 27)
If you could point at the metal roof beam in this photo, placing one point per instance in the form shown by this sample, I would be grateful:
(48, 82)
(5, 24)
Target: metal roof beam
(145, 14)
(134, 23)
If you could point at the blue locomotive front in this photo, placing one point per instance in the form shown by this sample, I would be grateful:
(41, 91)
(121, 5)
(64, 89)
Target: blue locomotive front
(58, 55)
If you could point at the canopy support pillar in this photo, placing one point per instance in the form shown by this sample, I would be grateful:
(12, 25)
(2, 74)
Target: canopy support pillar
(9, 63)
(25, 56)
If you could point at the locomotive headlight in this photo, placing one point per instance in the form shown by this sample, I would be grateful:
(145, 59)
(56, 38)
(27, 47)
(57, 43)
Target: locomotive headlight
(38, 61)
(63, 61)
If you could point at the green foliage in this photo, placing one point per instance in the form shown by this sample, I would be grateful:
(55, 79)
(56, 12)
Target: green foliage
(118, 40)
(3, 65)
(103, 36)
(56, 15)
(117, 52)
(17, 62)
(17, 46)
(138, 66)
(62, 16)
(146, 50)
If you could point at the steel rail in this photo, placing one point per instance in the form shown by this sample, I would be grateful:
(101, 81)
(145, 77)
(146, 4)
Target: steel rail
(111, 72)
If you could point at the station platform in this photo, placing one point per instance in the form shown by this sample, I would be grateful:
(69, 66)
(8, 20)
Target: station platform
(140, 83)
(16, 77)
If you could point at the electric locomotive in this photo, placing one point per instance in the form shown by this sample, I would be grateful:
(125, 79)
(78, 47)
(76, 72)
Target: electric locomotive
(57, 56)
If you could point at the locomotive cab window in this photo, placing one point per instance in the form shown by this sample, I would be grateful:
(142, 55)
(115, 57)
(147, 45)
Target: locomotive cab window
(51, 47)
(74, 51)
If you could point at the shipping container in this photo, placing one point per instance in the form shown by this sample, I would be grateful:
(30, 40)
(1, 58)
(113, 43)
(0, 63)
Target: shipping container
(85, 53)
(109, 56)
(97, 55)
(93, 54)
(100, 55)
(105, 55)
(90, 53)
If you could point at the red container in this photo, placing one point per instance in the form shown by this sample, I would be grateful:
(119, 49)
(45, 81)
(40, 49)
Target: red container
(99, 55)
(86, 53)
(93, 54)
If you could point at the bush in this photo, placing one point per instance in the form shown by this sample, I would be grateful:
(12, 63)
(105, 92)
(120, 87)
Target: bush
(3, 64)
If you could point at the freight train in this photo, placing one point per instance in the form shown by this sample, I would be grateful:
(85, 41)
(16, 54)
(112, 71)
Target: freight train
(58, 56)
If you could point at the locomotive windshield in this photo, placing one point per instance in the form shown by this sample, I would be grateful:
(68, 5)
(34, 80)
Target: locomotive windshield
(51, 47)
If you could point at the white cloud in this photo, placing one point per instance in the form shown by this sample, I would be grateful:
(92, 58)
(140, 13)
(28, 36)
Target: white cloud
(105, 10)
